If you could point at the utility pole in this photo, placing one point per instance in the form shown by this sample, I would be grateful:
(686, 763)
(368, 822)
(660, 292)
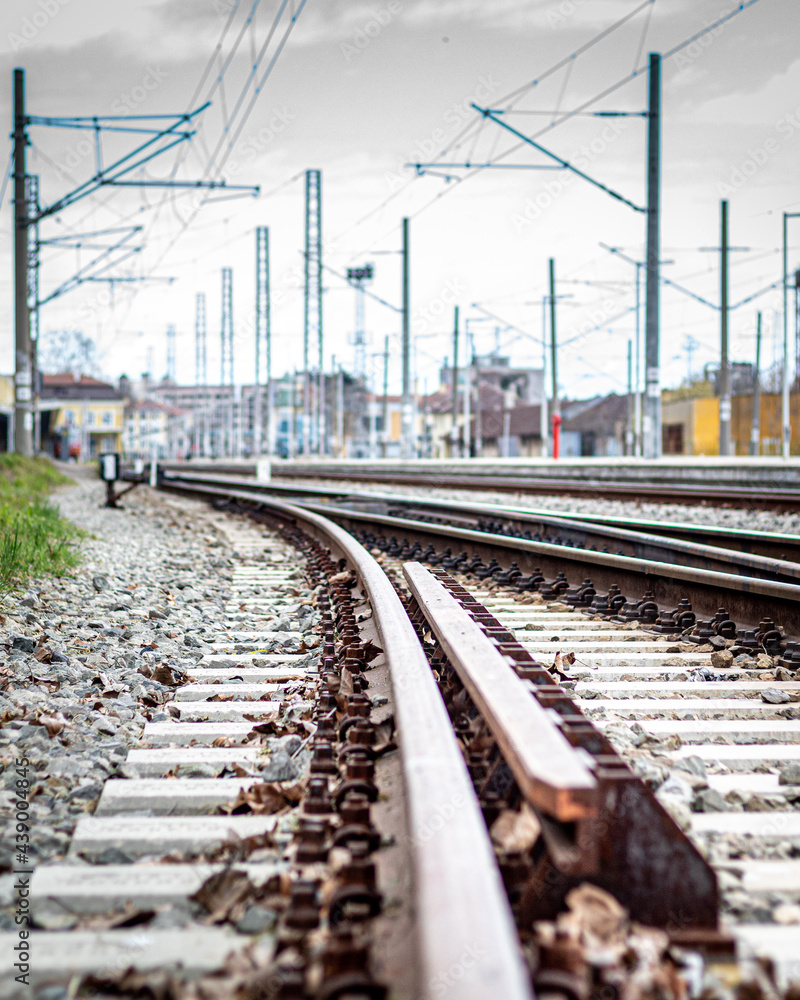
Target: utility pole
(312, 329)
(226, 359)
(630, 435)
(200, 373)
(556, 416)
(340, 411)
(544, 423)
(23, 416)
(470, 347)
(406, 413)
(755, 433)
(385, 396)
(724, 367)
(651, 429)
(263, 343)
(455, 384)
(637, 403)
(171, 361)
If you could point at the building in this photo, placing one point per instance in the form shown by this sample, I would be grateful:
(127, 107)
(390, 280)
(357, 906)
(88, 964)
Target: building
(691, 426)
(594, 427)
(81, 417)
(152, 426)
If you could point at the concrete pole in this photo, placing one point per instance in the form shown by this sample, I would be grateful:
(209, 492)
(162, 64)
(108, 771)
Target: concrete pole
(630, 434)
(637, 448)
(652, 404)
(468, 398)
(23, 415)
(755, 433)
(786, 429)
(544, 427)
(724, 367)
(385, 441)
(407, 404)
(454, 436)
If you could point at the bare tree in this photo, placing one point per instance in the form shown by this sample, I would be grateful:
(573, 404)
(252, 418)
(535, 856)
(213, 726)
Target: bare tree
(68, 351)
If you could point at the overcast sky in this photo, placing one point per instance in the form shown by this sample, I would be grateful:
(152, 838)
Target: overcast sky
(359, 90)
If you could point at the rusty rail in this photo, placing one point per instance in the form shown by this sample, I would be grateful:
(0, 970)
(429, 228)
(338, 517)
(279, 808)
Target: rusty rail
(461, 904)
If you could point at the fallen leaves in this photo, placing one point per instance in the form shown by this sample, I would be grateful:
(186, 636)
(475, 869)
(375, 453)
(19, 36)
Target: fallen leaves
(261, 799)
(52, 723)
(516, 831)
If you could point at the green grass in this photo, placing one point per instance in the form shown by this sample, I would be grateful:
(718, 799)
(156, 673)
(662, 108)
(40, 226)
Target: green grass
(34, 540)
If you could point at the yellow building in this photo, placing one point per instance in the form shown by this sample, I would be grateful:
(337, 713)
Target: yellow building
(81, 417)
(691, 426)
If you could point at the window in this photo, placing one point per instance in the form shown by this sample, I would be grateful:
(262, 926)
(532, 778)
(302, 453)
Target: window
(107, 418)
(90, 419)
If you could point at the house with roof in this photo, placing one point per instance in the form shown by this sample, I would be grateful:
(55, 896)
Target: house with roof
(81, 416)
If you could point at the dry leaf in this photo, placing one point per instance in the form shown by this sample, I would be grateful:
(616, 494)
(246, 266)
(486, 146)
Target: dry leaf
(371, 650)
(223, 741)
(260, 799)
(165, 675)
(43, 654)
(220, 697)
(224, 894)
(52, 723)
(516, 831)
(594, 916)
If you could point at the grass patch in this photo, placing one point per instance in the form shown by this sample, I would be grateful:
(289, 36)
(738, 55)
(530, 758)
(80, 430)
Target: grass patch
(33, 538)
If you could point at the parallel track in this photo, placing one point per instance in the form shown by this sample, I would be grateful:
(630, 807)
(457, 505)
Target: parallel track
(626, 675)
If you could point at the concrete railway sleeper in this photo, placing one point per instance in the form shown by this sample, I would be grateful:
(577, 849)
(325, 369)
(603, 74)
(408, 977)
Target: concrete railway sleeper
(546, 769)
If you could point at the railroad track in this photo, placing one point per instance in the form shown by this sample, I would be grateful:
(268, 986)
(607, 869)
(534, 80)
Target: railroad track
(670, 699)
(764, 487)
(534, 714)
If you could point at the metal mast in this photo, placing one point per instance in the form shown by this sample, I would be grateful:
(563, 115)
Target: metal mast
(201, 415)
(312, 329)
(171, 352)
(651, 424)
(200, 357)
(407, 416)
(226, 360)
(23, 418)
(32, 191)
(263, 441)
(226, 331)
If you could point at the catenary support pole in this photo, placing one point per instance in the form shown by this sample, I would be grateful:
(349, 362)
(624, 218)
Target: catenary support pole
(755, 433)
(407, 405)
(23, 415)
(724, 367)
(556, 405)
(385, 435)
(651, 428)
(630, 434)
(454, 393)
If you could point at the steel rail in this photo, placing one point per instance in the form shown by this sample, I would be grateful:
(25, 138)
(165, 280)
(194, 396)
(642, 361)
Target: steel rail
(684, 493)
(748, 600)
(461, 903)
(781, 547)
